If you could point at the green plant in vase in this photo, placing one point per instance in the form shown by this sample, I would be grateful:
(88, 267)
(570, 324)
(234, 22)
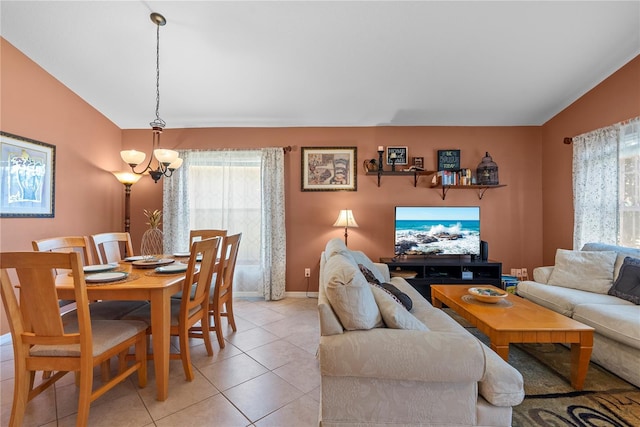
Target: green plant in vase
(152, 238)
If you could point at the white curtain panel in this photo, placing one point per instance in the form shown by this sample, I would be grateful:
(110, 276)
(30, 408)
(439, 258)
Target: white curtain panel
(241, 191)
(595, 186)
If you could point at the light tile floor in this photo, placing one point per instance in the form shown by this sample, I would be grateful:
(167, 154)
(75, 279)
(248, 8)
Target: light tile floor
(267, 375)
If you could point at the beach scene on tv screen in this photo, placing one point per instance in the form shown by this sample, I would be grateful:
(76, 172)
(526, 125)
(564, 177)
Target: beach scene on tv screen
(437, 231)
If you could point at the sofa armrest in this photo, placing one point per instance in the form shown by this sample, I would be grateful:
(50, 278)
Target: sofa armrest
(502, 384)
(542, 274)
(399, 354)
(384, 270)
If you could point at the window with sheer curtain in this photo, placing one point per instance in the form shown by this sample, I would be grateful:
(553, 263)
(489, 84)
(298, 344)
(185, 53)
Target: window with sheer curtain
(241, 191)
(606, 185)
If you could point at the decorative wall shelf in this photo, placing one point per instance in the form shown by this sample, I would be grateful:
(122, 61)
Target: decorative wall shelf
(415, 174)
(479, 188)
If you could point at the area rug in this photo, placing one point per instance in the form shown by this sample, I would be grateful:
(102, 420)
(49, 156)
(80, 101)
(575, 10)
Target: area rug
(550, 401)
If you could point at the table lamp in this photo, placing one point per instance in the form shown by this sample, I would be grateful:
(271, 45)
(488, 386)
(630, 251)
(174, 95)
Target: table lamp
(346, 220)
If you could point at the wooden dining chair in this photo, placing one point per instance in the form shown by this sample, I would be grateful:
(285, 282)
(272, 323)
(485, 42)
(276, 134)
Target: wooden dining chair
(99, 310)
(111, 247)
(104, 310)
(221, 294)
(42, 343)
(195, 235)
(186, 312)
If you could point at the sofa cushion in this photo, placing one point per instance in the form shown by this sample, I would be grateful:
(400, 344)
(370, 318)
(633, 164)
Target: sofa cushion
(627, 285)
(350, 294)
(622, 252)
(364, 260)
(618, 322)
(584, 270)
(394, 314)
(336, 246)
(563, 300)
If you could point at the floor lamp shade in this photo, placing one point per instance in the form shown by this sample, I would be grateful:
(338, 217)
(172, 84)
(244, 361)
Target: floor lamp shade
(346, 220)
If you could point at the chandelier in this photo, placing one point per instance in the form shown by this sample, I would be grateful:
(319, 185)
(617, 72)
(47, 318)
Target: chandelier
(167, 160)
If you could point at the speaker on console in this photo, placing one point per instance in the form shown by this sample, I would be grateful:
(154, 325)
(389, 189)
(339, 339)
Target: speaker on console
(484, 250)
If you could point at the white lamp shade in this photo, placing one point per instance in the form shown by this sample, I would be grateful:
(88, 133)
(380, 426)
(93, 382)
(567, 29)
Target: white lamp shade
(346, 219)
(132, 157)
(176, 163)
(127, 177)
(165, 156)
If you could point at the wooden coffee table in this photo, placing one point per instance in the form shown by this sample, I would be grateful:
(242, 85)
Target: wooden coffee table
(517, 320)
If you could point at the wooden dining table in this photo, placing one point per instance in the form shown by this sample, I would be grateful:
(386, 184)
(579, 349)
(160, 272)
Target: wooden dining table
(142, 284)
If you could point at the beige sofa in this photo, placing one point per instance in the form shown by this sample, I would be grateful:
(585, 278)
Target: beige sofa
(577, 293)
(427, 370)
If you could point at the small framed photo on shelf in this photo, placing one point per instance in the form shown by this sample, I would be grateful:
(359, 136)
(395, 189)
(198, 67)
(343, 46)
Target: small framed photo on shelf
(418, 162)
(400, 155)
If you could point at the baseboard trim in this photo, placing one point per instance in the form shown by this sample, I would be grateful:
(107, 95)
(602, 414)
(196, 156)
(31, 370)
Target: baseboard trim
(286, 294)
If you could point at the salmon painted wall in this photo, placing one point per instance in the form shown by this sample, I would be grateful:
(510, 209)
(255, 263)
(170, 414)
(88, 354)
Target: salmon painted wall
(88, 198)
(615, 99)
(511, 216)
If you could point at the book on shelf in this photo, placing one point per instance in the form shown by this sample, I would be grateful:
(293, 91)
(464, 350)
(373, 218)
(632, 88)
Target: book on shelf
(457, 177)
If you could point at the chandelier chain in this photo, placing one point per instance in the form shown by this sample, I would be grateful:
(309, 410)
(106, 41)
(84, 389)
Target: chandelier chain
(158, 122)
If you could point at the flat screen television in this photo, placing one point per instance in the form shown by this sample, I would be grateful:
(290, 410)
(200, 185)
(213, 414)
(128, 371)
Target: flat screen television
(437, 230)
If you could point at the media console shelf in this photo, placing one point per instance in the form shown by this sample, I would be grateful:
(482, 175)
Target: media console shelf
(444, 270)
(479, 188)
(415, 174)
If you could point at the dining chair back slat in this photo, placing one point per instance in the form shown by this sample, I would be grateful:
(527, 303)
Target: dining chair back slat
(42, 343)
(66, 244)
(111, 247)
(205, 234)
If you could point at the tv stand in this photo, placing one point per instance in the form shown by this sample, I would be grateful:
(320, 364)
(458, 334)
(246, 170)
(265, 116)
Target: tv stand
(447, 269)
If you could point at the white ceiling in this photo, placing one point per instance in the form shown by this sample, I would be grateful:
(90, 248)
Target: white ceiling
(328, 63)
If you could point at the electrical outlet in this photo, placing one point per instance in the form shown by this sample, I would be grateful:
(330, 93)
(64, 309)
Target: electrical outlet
(307, 272)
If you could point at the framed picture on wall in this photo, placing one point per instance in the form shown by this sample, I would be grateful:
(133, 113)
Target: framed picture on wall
(27, 177)
(400, 154)
(329, 169)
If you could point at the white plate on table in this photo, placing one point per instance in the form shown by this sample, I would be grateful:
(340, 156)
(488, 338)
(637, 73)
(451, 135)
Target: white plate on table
(153, 263)
(112, 276)
(178, 267)
(134, 258)
(98, 268)
(187, 255)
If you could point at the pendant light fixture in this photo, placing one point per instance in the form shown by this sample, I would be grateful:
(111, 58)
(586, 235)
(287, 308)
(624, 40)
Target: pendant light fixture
(167, 160)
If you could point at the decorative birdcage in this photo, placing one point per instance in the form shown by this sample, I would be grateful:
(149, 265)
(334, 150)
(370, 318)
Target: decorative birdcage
(487, 172)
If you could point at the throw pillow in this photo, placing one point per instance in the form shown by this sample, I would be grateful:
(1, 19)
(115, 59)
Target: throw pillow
(368, 274)
(350, 294)
(404, 299)
(396, 293)
(393, 314)
(590, 271)
(627, 286)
